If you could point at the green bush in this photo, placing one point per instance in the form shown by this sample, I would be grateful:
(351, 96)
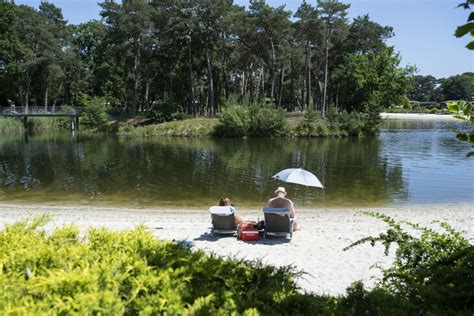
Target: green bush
(131, 272)
(432, 270)
(234, 122)
(253, 121)
(309, 124)
(163, 111)
(94, 111)
(352, 124)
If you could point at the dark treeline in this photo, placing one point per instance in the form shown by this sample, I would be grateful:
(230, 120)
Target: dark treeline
(430, 89)
(196, 55)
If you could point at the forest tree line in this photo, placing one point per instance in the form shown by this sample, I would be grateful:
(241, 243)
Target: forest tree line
(197, 55)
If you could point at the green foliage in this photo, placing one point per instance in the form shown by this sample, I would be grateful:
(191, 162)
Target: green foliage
(338, 124)
(458, 87)
(463, 111)
(432, 269)
(10, 124)
(131, 272)
(312, 125)
(373, 80)
(253, 121)
(120, 57)
(94, 111)
(423, 88)
(172, 129)
(467, 28)
(163, 111)
(234, 122)
(352, 124)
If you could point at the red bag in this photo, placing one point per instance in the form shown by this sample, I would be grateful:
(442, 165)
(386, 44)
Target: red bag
(248, 231)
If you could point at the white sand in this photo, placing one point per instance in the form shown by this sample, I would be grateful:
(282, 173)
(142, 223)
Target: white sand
(316, 249)
(419, 117)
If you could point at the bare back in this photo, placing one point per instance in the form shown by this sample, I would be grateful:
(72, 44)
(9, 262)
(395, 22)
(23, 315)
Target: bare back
(281, 202)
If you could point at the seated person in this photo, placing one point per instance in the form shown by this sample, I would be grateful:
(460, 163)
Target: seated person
(225, 201)
(280, 201)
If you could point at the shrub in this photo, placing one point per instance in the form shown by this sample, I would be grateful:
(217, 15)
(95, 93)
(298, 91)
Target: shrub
(234, 122)
(352, 124)
(162, 111)
(432, 270)
(254, 120)
(308, 125)
(94, 111)
(131, 272)
(266, 121)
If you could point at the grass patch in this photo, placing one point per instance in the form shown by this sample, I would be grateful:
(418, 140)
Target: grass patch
(199, 127)
(10, 124)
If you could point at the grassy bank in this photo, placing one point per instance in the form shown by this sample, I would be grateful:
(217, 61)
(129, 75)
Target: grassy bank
(13, 124)
(258, 122)
(198, 127)
(131, 272)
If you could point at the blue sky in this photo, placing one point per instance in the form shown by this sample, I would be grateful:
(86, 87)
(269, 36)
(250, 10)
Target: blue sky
(423, 28)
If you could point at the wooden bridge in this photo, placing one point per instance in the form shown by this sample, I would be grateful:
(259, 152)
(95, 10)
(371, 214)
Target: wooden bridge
(23, 112)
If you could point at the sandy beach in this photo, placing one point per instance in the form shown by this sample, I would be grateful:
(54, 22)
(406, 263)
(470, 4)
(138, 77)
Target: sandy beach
(316, 250)
(419, 117)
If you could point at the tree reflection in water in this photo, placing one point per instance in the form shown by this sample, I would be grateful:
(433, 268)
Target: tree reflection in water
(193, 172)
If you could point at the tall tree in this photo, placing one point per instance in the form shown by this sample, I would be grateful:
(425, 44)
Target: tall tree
(309, 32)
(423, 88)
(458, 87)
(333, 13)
(272, 25)
(10, 53)
(372, 81)
(129, 27)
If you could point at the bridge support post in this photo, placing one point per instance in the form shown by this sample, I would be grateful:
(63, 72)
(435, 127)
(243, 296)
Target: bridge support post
(73, 128)
(25, 122)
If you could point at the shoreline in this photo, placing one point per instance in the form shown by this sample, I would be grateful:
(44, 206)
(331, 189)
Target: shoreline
(419, 117)
(315, 250)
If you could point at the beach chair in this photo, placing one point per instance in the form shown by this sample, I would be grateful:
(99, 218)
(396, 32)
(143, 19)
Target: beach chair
(223, 220)
(277, 222)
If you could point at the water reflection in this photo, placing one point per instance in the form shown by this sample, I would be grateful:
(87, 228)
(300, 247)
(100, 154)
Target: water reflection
(389, 169)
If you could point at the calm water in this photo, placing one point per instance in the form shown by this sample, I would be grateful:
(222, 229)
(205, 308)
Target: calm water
(408, 163)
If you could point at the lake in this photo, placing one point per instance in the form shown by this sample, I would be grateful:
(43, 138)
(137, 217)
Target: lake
(409, 162)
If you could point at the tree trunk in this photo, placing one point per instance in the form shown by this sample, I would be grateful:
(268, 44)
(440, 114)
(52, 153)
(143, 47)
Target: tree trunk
(241, 87)
(226, 81)
(27, 93)
(46, 97)
(292, 96)
(210, 83)
(251, 84)
(272, 91)
(191, 105)
(308, 77)
(61, 85)
(326, 75)
(147, 92)
(282, 77)
(261, 93)
(136, 65)
(302, 92)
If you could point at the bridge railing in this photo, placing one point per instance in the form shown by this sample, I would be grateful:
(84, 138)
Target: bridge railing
(41, 110)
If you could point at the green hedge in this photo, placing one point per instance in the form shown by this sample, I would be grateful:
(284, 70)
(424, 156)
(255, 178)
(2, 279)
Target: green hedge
(131, 272)
(254, 121)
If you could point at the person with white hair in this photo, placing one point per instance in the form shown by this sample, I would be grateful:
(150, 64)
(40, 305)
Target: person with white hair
(280, 201)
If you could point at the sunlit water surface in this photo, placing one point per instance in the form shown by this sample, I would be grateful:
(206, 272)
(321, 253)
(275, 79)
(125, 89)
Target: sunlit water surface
(408, 163)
